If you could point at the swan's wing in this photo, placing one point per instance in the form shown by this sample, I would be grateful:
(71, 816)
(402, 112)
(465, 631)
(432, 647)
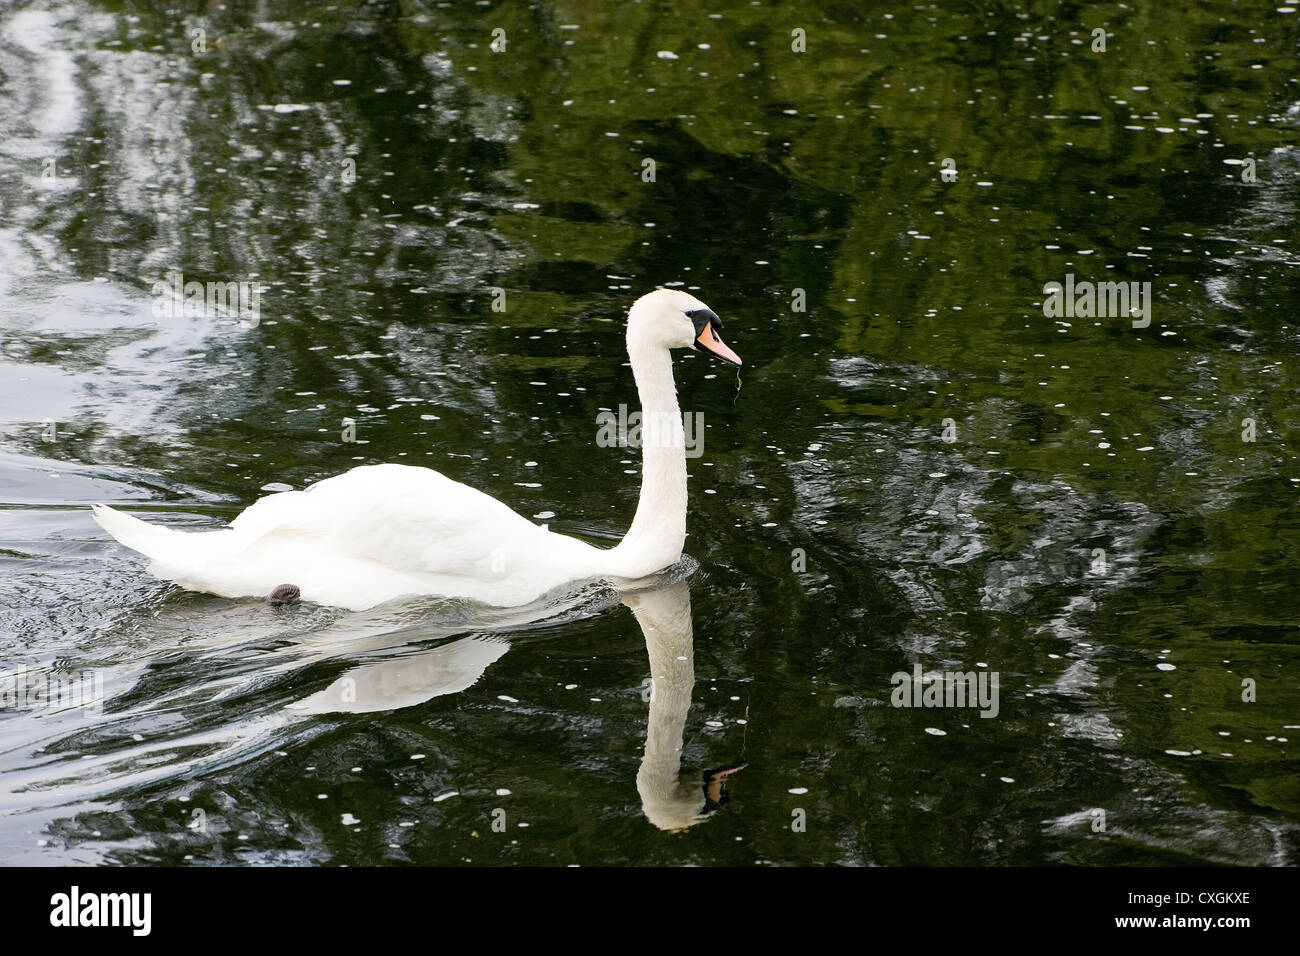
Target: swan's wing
(405, 518)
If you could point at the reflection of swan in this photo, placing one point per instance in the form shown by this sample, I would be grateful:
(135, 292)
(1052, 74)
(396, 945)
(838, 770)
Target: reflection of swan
(671, 800)
(383, 531)
(411, 679)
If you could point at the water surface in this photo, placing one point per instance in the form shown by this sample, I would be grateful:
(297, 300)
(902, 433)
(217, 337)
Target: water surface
(1098, 532)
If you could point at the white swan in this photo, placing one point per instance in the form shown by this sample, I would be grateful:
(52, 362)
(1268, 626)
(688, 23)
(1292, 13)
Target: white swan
(381, 532)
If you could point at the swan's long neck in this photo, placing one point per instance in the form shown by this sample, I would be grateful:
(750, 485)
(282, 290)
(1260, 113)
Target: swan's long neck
(659, 529)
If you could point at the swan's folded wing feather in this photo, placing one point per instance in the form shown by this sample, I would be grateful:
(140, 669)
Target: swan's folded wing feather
(407, 519)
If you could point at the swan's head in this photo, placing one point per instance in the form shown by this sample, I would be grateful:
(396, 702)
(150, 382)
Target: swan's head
(673, 319)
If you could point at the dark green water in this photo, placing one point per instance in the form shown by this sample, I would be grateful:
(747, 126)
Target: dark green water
(1098, 534)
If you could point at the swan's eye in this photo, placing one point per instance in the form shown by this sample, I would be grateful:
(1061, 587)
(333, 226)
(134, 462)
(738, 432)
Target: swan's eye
(703, 318)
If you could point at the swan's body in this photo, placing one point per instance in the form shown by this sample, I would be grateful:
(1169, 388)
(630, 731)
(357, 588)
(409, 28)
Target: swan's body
(380, 532)
(365, 537)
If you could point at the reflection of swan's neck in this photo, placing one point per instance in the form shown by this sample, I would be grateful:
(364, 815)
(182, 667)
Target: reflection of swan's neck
(658, 531)
(670, 800)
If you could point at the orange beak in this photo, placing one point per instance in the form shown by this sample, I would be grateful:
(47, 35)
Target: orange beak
(708, 341)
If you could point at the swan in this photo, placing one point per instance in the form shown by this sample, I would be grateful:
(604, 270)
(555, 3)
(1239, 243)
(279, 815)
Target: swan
(381, 532)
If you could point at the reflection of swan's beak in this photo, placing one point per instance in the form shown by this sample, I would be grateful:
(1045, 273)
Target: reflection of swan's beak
(708, 341)
(715, 783)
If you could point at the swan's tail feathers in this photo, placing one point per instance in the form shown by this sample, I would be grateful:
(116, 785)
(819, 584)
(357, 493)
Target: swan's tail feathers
(149, 539)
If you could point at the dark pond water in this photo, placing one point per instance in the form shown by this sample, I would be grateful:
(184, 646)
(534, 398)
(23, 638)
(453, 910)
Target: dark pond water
(921, 467)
